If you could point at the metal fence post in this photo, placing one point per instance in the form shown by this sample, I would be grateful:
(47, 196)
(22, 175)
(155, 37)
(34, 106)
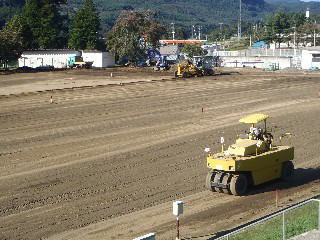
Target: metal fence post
(283, 227)
(319, 217)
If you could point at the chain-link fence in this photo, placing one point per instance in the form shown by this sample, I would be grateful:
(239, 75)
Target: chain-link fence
(283, 225)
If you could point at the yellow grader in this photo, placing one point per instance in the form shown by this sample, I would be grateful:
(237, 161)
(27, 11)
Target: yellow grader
(251, 160)
(187, 69)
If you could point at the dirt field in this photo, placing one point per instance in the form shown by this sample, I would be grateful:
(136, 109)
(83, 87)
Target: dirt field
(106, 162)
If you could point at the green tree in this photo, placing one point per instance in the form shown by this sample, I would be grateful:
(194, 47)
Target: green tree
(84, 31)
(18, 24)
(180, 33)
(257, 32)
(306, 32)
(12, 40)
(133, 33)
(222, 33)
(193, 50)
(45, 22)
(296, 20)
(8, 8)
(278, 27)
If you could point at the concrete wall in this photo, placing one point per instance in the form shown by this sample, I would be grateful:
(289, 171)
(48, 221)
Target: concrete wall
(257, 62)
(55, 58)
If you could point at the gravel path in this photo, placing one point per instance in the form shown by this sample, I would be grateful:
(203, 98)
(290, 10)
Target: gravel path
(313, 235)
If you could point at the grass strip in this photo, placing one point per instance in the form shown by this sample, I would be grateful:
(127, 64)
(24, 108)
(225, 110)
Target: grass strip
(297, 221)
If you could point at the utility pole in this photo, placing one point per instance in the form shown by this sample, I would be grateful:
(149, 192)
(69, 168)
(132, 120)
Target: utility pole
(220, 26)
(220, 31)
(294, 37)
(199, 32)
(192, 32)
(240, 19)
(173, 31)
(314, 33)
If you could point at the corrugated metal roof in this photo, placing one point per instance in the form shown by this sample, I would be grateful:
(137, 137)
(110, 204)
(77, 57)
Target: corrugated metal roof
(169, 50)
(55, 51)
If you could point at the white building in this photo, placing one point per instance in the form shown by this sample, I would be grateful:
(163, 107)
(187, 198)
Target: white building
(310, 58)
(99, 59)
(60, 58)
(212, 49)
(42, 58)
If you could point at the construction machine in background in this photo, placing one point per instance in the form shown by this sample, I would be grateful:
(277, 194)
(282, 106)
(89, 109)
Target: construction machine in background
(187, 69)
(252, 160)
(77, 62)
(151, 56)
(161, 63)
(205, 64)
(199, 66)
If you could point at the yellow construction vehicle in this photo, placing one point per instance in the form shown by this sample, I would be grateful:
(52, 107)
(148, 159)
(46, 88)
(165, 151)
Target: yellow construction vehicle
(252, 160)
(187, 69)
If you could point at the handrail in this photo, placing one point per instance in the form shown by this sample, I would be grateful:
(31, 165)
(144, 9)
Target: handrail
(267, 218)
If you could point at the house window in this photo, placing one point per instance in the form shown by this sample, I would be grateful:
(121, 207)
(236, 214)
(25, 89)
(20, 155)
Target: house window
(315, 57)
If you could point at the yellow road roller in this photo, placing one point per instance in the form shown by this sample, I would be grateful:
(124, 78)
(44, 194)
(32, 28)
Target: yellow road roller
(252, 160)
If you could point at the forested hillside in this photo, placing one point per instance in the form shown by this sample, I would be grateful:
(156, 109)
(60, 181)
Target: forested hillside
(296, 5)
(184, 13)
(8, 8)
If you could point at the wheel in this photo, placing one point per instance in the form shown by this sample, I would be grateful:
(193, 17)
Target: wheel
(184, 74)
(225, 181)
(209, 179)
(238, 184)
(216, 179)
(287, 170)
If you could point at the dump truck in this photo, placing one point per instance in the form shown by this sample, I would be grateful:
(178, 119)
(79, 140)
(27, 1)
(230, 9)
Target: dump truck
(252, 160)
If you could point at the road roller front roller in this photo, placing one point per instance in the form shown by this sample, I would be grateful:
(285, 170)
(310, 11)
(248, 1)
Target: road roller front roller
(253, 159)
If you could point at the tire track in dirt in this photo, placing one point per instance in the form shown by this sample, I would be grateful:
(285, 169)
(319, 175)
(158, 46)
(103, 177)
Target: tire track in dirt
(82, 166)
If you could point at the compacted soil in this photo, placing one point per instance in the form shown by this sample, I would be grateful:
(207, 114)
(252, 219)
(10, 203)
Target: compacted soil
(106, 162)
